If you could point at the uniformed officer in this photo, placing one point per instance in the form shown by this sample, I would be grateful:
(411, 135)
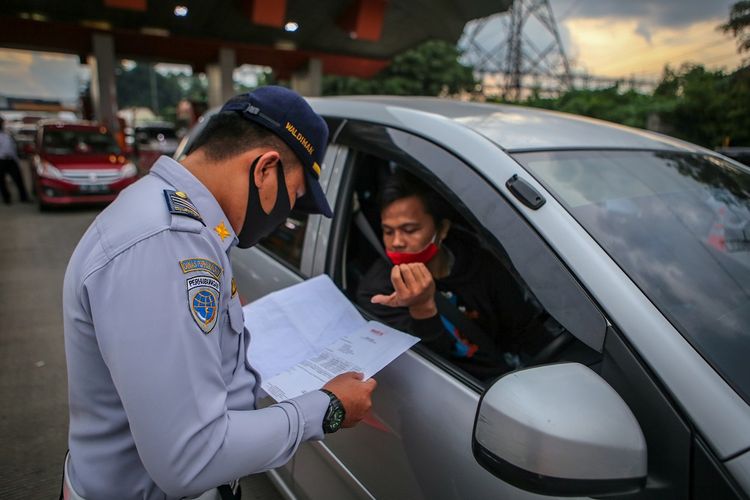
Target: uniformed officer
(162, 398)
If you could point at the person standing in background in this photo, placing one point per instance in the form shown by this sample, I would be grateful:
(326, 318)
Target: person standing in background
(9, 166)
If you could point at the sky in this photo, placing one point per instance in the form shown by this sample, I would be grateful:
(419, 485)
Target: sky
(614, 38)
(638, 37)
(42, 75)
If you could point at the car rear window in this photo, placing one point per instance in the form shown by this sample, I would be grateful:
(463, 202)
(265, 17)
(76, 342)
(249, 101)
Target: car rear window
(679, 225)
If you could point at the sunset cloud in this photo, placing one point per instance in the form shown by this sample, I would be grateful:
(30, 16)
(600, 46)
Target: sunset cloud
(618, 47)
(624, 38)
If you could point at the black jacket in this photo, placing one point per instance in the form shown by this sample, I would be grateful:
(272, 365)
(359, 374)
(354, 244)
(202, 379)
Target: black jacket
(491, 297)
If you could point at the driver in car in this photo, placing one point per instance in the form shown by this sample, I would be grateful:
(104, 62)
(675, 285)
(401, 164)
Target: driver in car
(442, 286)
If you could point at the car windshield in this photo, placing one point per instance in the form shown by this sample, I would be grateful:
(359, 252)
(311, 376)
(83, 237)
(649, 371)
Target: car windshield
(79, 141)
(679, 225)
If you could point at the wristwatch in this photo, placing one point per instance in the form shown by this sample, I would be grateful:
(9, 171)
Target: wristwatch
(335, 414)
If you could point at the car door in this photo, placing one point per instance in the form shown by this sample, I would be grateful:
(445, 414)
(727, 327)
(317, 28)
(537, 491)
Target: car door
(417, 442)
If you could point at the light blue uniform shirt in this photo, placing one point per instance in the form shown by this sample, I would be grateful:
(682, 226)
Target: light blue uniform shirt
(7, 147)
(162, 398)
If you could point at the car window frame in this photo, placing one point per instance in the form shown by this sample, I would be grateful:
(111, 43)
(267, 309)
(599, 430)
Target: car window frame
(333, 266)
(353, 141)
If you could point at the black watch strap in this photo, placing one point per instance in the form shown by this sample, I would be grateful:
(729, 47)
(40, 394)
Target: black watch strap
(335, 414)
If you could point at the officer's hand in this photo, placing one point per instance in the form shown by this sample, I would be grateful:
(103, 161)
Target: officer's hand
(414, 288)
(354, 393)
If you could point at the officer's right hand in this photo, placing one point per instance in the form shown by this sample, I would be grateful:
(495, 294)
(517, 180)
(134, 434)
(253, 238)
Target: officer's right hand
(354, 393)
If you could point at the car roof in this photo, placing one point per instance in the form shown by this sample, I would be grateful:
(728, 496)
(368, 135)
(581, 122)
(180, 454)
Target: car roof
(514, 128)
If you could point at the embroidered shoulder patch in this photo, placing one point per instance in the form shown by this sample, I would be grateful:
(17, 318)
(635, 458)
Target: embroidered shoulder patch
(179, 204)
(203, 301)
(193, 265)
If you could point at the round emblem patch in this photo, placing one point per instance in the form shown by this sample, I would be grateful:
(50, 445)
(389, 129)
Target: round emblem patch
(204, 304)
(203, 301)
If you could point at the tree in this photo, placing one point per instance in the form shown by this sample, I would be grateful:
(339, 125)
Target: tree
(738, 115)
(739, 25)
(194, 87)
(136, 87)
(699, 105)
(431, 68)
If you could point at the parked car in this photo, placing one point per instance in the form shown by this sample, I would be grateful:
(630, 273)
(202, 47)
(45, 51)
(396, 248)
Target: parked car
(638, 244)
(78, 163)
(153, 140)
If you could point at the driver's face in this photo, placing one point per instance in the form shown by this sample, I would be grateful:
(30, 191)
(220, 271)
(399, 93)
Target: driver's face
(407, 227)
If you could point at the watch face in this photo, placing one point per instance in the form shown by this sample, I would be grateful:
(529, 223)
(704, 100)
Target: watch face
(334, 416)
(337, 418)
(333, 419)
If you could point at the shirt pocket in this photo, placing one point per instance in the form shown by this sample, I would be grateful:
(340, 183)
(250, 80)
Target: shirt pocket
(236, 317)
(231, 340)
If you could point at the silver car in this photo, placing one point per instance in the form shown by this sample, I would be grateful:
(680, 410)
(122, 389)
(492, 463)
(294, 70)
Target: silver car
(636, 243)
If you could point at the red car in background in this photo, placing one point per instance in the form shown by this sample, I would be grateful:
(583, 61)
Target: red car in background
(78, 163)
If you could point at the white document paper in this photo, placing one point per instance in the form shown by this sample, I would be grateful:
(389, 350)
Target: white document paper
(368, 350)
(304, 335)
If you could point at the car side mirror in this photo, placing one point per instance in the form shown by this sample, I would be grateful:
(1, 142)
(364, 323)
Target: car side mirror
(560, 430)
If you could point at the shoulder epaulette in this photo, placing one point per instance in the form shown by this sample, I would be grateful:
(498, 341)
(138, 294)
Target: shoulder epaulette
(178, 203)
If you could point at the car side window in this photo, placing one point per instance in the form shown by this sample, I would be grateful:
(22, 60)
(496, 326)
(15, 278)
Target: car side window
(537, 326)
(287, 240)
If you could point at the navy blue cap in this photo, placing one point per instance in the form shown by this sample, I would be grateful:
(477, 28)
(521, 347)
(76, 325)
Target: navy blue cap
(290, 117)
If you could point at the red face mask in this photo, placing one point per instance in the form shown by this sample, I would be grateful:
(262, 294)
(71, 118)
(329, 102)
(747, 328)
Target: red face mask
(424, 256)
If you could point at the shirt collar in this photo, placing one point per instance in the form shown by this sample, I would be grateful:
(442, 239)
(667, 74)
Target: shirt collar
(182, 180)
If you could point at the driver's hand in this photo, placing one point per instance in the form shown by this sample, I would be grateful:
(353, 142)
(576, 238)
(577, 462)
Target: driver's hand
(414, 288)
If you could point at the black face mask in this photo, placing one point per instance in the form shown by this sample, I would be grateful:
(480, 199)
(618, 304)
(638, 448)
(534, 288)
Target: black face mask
(258, 224)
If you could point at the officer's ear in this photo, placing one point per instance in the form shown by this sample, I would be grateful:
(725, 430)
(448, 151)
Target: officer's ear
(265, 168)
